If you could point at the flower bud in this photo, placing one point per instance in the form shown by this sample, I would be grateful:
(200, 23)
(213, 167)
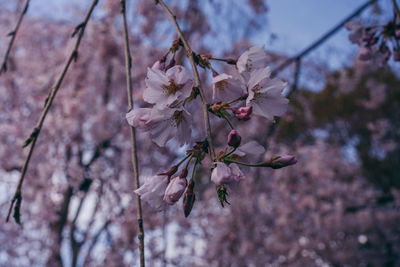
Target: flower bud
(175, 190)
(188, 199)
(234, 139)
(396, 55)
(397, 33)
(283, 161)
(243, 113)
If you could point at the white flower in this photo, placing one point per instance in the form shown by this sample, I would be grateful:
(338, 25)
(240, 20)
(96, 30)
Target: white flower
(163, 124)
(265, 94)
(167, 88)
(224, 174)
(225, 87)
(254, 58)
(152, 191)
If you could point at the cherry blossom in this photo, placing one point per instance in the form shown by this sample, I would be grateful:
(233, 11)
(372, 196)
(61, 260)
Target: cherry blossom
(152, 191)
(224, 174)
(167, 88)
(225, 87)
(163, 124)
(265, 94)
(254, 58)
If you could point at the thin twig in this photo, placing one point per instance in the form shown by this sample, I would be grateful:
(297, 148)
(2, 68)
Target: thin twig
(80, 29)
(322, 39)
(189, 54)
(128, 67)
(13, 34)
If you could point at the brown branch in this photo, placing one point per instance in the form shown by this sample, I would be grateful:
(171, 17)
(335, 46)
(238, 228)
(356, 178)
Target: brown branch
(189, 54)
(396, 9)
(128, 67)
(13, 34)
(49, 100)
(322, 39)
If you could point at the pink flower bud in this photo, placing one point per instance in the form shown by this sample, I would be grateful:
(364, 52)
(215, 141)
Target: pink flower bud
(243, 113)
(364, 53)
(175, 190)
(396, 55)
(234, 139)
(283, 161)
(397, 33)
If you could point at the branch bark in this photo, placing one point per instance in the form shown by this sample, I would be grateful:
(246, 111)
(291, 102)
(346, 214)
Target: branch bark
(13, 34)
(80, 29)
(189, 53)
(128, 67)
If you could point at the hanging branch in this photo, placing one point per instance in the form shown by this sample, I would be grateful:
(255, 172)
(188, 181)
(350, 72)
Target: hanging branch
(13, 33)
(128, 67)
(189, 54)
(17, 198)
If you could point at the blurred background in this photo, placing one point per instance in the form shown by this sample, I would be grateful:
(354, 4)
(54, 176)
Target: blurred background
(338, 206)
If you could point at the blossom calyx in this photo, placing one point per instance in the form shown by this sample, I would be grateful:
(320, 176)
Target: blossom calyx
(234, 139)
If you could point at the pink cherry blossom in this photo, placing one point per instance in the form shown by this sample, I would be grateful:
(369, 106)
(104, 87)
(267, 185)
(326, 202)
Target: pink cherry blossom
(254, 58)
(152, 191)
(225, 87)
(265, 94)
(163, 124)
(175, 189)
(224, 174)
(166, 88)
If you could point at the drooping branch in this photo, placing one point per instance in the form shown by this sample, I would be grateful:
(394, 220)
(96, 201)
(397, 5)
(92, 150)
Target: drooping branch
(128, 68)
(190, 56)
(13, 34)
(17, 198)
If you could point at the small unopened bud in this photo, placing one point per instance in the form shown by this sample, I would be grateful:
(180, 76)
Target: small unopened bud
(243, 113)
(397, 33)
(175, 190)
(396, 55)
(234, 139)
(283, 161)
(189, 199)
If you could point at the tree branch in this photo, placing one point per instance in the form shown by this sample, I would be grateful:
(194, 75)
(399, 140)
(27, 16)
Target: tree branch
(13, 34)
(189, 54)
(128, 67)
(48, 102)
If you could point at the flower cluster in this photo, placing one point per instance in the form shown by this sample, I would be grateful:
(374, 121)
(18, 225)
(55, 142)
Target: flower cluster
(375, 41)
(249, 90)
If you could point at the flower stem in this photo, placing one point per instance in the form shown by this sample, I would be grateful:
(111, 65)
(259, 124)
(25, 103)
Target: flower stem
(189, 54)
(128, 68)
(262, 164)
